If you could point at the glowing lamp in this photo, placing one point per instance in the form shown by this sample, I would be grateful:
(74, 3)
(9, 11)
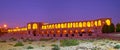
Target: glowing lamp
(5, 25)
(108, 22)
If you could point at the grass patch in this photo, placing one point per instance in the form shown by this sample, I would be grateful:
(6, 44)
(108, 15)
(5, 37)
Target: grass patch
(70, 42)
(19, 44)
(117, 47)
(53, 45)
(56, 47)
(43, 45)
(30, 47)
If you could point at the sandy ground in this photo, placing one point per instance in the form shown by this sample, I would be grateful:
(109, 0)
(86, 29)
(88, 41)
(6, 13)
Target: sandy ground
(46, 45)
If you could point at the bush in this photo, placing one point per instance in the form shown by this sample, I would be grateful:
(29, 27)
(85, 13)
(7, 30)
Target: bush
(108, 29)
(30, 47)
(118, 27)
(56, 47)
(43, 45)
(19, 44)
(117, 47)
(53, 45)
(69, 42)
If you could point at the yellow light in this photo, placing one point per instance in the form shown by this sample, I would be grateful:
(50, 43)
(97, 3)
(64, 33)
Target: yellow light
(68, 25)
(35, 26)
(92, 23)
(95, 23)
(76, 24)
(52, 31)
(70, 31)
(64, 31)
(84, 24)
(76, 31)
(80, 24)
(14, 30)
(58, 25)
(42, 27)
(53, 26)
(99, 22)
(108, 22)
(71, 25)
(9, 30)
(65, 25)
(62, 25)
(49, 26)
(58, 31)
(29, 26)
(88, 24)
(82, 30)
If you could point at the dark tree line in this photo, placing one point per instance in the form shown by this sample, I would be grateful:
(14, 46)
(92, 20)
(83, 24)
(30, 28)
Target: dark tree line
(111, 28)
(118, 27)
(108, 29)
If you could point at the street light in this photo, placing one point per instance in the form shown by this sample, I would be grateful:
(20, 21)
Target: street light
(5, 26)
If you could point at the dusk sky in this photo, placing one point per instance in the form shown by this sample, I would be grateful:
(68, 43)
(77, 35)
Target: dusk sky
(20, 12)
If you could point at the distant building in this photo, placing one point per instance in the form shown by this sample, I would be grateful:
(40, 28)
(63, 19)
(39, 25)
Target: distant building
(63, 29)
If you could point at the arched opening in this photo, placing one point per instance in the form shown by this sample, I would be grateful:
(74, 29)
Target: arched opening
(66, 35)
(47, 35)
(89, 34)
(80, 34)
(54, 35)
(35, 26)
(60, 35)
(34, 32)
(28, 32)
(72, 35)
(29, 26)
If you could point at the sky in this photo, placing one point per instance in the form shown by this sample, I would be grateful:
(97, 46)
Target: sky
(20, 12)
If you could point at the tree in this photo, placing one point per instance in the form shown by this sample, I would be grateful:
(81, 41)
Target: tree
(118, 27)
(104, 28)
(111, 28)
(108, 29)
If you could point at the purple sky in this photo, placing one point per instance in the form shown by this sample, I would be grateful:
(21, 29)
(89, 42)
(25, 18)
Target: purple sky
(19, 12)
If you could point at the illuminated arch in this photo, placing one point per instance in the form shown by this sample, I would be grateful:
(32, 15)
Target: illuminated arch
(29, 26)
(96, 23)
(68, 25)
(76, 24)
(80, 24)
(108, 22)
(62, 25)
(71, 25)
(52, 26)
(65, 25)
(99, 22)
(92, 23)
(35, 26)
(88, 24)
(58, 26)
(84, 24)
